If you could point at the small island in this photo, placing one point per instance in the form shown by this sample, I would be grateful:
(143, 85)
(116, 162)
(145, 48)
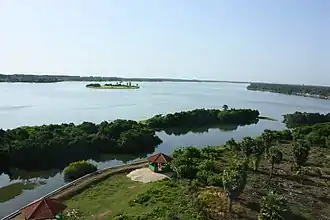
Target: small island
(118, 85)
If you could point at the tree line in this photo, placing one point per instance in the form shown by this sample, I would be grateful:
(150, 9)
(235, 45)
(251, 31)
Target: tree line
(55, 146)
(307, 90)
(202, 117)
(304, 118)
(29, 78)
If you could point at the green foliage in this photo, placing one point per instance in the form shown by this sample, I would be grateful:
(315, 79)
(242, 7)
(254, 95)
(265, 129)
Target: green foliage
(247, 145)
(234, 181)
(306, 90)
(272, 207)
(275, 156)
(257, 150)
(202, 165)
(62, 144)
(78, 169)
(174, 203)
(232, 144)
(300, 152)
(318, 134)
(304, 118)
(201, 117)
(225, 107)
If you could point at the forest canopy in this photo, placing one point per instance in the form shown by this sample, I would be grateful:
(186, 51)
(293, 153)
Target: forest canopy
(304, 118)
(64, 143)
(202, 117)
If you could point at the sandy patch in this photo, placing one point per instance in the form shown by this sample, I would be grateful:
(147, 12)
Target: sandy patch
(145, 175)
(103, 215)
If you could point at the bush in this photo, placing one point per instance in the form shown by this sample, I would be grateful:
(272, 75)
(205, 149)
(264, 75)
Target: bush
(78, 169)
(272, 207)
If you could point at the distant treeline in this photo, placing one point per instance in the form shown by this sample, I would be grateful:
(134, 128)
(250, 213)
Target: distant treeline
(60, 78)
(301, 90)
(55, 146)
(304, 118)
(203, 117)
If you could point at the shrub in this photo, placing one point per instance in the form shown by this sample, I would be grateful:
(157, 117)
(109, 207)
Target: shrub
(78, 169)
(272, 207)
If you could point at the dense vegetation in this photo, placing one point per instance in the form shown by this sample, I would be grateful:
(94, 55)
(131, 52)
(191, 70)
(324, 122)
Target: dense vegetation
(277, 176)
(78, 169)
(269, 170)
(202, 117)
(303, 90)
(61, 78)
(54, 146)
(304, 118)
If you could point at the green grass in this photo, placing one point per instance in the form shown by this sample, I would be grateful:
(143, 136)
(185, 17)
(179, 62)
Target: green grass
(120, 198)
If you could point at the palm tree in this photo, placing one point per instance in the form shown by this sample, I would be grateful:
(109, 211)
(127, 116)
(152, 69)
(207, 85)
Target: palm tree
(272, 207)
(275, 156)
(234, 181)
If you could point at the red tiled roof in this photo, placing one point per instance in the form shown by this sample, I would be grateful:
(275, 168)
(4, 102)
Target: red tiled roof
(159, 158)
(43, 209)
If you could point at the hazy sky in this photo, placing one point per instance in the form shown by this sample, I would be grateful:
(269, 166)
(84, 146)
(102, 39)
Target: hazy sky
(284, 41)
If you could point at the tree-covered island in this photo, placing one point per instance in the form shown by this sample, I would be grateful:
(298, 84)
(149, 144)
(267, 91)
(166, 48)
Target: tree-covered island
(203, 117)
(321, 92)
(118, 85)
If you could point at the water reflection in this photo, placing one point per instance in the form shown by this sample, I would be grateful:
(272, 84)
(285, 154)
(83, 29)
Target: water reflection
(204, 129)
(15, 174)
(15, 189)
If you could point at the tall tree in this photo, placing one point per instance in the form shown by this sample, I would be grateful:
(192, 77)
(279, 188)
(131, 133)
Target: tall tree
(257, 150)
(234, 181)
(225, 107)
(268, 139)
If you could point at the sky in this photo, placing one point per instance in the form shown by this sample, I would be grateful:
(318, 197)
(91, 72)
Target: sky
(282, 41)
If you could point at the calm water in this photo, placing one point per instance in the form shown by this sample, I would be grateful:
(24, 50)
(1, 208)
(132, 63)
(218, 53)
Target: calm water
(36, 104)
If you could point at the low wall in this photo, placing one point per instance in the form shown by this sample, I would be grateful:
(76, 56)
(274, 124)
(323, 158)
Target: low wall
(78, 185)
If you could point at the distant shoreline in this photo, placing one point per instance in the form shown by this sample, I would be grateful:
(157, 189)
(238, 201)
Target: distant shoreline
(25, 78)
(318, 92)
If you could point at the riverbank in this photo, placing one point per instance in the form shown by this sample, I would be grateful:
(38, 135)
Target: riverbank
(318, 92)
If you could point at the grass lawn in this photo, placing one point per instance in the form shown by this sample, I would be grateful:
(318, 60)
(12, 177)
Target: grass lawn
(118, 197)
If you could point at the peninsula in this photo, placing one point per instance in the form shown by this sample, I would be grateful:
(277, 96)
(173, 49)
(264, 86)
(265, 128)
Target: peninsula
(118, 85)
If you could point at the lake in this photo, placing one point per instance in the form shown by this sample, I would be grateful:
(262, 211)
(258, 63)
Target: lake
(36, 104)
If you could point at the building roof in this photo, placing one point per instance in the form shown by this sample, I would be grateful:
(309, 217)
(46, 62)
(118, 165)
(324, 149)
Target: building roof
(159, 158)
(45, 208)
